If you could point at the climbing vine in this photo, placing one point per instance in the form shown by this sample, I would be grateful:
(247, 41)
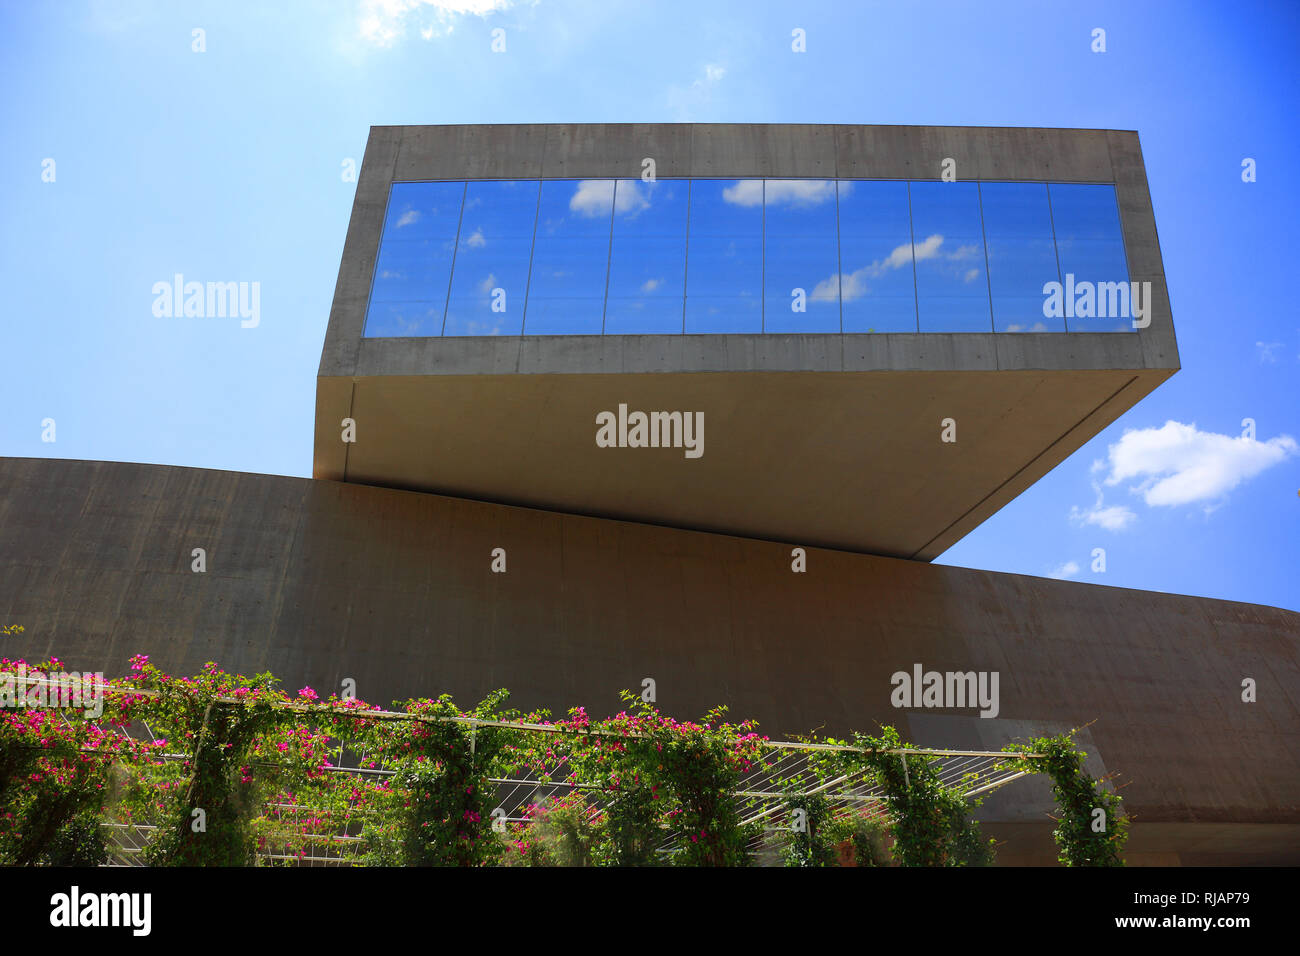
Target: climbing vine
(438, 809)
(236, 741)
(929, 822)
(811, 840)
(1091, 830)
(671, 782)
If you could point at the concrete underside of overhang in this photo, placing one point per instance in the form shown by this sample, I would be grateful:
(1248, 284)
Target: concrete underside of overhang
(318, 581)
(852, 461)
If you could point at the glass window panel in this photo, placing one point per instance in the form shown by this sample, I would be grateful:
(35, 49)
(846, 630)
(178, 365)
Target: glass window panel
(1024, 313)
(724, 276)
(1090, 245)
(952, 293)
(1085, 211)
(647, 269)
(496, 237)
(1015, 211)
(1021, 255)
(388, 319)
(566, 292)
(409, 269)
(423, 210)
(878, 285)
(1018, 270)
(409, 290)
(801, 253)
(1099, 264)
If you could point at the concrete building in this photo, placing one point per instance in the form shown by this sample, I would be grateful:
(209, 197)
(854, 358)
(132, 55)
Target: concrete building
(840, 340)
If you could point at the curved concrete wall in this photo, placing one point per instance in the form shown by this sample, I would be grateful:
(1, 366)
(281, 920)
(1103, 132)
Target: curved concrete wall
(318, 581)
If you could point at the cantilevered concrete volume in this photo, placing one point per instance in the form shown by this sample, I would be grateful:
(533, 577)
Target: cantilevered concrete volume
(830, 438)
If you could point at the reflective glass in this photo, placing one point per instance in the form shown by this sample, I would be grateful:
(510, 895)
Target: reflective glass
(490, 277)
(800, 253)
(566, 292)
(409, 291)
(713, 256)
(1091, 249)
(1022, 255)
(878, 285)
(952, 293)
(647, 268)
(724, 269)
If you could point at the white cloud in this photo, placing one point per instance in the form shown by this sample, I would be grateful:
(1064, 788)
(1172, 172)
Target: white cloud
(1178, 464)
(853, 285)
(1068, 570)
(488, 284)
(684, 100)
(416, 323)
(1036, 327)
(650, 285)
(1113, 518)
(630, 198)
(476, 240)
(926, 250)
(408, 217)
(593, 196)
(747, 192)
(795, 192)
(799, 192)
(1266, 350)
(828, 289)
(383, 22)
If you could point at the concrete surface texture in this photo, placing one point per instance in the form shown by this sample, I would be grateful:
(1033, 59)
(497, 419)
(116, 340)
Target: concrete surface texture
(320, 581)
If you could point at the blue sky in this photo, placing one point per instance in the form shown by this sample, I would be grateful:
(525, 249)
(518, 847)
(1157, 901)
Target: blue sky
(227, 164)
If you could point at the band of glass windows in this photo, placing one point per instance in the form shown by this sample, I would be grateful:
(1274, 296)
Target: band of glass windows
(701, 256)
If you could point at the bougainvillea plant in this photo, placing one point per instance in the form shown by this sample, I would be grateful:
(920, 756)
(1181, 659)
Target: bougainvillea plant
(220, 769)
(438, 811)
(669, 783)
(54, 769)
(223, 729)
